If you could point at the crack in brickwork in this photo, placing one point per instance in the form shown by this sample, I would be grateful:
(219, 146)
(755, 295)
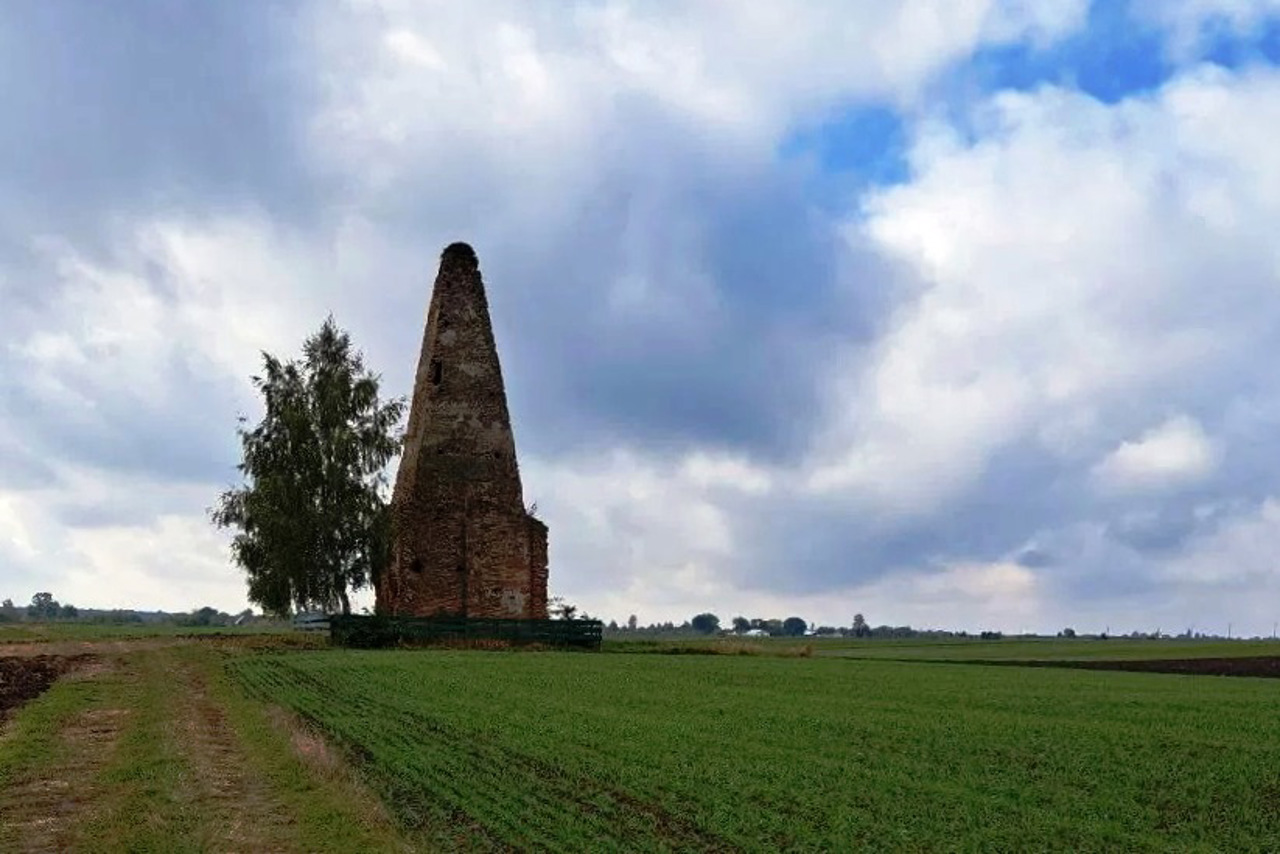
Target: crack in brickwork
(462, 542)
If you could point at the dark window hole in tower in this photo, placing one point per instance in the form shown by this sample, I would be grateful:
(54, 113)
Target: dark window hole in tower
(437, 371)
(415, 566)
(461, 568)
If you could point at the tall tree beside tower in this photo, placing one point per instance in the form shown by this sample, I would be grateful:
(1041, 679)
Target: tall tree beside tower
(311, 520)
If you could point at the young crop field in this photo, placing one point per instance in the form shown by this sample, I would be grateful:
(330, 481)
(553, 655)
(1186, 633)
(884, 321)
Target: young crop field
(577, 751)
(1047, 649)
(957, 649)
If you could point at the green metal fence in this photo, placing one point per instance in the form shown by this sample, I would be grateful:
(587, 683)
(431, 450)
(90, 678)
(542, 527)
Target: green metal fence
(360, 631)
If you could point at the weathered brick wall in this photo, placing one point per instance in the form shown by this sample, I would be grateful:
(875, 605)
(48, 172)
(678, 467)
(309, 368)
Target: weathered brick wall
(462, 540)
(538, 567)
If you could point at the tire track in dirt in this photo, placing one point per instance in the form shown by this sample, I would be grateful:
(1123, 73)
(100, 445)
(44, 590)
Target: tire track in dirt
(42, 812)
(224, 787)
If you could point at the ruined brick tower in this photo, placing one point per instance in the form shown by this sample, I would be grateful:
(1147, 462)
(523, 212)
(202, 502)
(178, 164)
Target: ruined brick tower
(462, 542)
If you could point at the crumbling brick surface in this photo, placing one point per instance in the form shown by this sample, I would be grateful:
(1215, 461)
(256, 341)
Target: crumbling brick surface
(463, 543)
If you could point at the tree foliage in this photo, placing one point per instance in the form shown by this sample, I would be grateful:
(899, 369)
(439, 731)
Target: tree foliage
(706, 624)
(311, 518)
(559, 609)
(43, 607)
(794, 626)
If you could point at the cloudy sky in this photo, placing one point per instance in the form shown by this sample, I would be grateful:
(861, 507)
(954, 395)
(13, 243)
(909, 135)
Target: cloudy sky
(959, 313)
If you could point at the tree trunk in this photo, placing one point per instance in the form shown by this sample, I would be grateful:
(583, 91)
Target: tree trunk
(346, 603)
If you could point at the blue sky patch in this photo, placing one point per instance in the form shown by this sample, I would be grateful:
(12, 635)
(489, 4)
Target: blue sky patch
(851, 150)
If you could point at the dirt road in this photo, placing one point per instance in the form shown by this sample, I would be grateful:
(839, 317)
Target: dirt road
(144, 745)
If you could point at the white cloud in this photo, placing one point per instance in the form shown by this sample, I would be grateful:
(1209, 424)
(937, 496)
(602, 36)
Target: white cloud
(1176, 452)
(620, 521)
(1242, 549)
(220, 291)
(144, 543)
(712, 470)
(998, 596)
(542, 92)
(1081, 261)
(1191, 24)
(14, 529)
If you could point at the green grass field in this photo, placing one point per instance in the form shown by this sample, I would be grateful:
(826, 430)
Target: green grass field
(578, 751)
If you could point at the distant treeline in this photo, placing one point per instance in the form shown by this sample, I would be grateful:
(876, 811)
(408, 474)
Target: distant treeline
(710, 624)
(44, 608)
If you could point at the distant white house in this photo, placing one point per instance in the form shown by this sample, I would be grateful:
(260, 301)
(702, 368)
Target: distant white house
(756, 633)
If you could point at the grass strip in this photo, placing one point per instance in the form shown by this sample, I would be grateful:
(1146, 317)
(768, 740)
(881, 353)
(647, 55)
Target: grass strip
(144, 803)
(31, 739)
(333, 811)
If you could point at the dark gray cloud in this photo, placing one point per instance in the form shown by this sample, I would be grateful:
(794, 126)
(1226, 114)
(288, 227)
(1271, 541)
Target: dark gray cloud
(165, 105)
(176, 437)
(172, 107)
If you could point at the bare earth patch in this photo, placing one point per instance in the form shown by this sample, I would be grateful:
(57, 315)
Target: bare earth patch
(1266, 666)
(72, 648)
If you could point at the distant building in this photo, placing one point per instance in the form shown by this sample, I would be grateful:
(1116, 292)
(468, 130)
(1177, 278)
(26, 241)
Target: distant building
(463, 543)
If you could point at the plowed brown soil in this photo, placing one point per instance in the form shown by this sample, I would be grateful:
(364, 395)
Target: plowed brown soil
(27, 677)
(1267, 666)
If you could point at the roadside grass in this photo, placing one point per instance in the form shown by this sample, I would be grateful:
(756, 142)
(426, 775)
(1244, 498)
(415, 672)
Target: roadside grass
(333, 809)
(143, 807)
(477, 750)
(31, 739)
